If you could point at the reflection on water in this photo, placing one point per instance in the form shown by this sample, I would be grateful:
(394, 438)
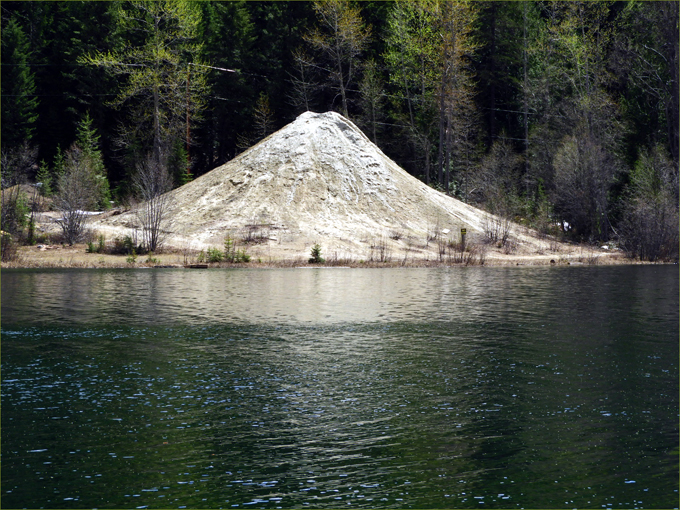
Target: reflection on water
(318, 296)
(519, 387)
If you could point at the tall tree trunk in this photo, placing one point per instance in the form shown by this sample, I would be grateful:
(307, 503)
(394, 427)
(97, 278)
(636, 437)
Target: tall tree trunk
(156, 126)
(673, 109)
(440, 177)
(492, 76)
(341, 79)
(447, 155)
(525, 96)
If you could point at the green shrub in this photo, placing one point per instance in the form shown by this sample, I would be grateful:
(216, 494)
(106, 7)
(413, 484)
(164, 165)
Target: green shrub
(124, 246)
(100, 247)
(215, 255)
(232, 254)
(316, 255)
(241, 256)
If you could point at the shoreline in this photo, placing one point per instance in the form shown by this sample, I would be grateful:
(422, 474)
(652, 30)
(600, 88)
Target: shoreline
(76, 256)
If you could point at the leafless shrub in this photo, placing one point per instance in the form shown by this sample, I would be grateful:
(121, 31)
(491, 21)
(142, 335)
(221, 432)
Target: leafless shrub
(497, 228)
(470, 254)
(650, 226)
(381, 251)
(410, 247)
(509, 247)
(481, 254)
(152, 183)
(554, 245)
(189, 253)
(77, 193)
(255, 233)
(442, 245)
(434, 232)
(592, 259)
(16, 165)
(454, 252)
(587, 255)
(9, 247)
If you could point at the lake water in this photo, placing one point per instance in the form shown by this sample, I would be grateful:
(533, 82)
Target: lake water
(374, 388)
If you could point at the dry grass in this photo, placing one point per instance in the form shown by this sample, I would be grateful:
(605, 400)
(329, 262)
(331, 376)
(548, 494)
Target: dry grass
(77, 257)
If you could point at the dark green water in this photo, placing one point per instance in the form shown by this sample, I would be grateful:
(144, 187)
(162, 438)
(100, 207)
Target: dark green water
(412, 388)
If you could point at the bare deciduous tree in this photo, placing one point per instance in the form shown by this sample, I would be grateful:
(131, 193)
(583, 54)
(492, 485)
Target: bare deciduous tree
(372, 96)
(458, 114)
(78, 190)
(412, 58)
(650, 226)
(584, 173)
(494, 185)
(303, 84)
(16, 164)
(152, 183)
(264, 117)
(341, 39)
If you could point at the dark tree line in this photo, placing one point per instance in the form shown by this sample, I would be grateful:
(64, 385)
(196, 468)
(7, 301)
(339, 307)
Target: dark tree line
(549, 113)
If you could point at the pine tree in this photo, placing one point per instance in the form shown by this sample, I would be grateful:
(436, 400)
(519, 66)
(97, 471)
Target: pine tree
(44, 179)
(19, 102)
(498, 65)
(90, 156)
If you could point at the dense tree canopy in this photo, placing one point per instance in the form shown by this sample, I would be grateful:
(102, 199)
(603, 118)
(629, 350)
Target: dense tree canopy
(557, 108)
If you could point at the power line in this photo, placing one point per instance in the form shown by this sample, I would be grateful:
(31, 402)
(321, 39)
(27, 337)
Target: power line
(213, 67)
(56, 95)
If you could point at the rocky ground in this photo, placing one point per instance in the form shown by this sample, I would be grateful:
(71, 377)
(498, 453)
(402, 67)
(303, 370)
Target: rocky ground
(321, 180)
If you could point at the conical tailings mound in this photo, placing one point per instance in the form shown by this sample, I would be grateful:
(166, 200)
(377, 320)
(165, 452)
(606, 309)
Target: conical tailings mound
(318, 177)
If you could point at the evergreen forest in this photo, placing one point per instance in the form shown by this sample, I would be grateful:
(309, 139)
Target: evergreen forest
(560, 115)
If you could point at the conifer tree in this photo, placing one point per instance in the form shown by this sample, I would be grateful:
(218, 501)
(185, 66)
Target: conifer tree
(19, 102)
(87, 140)
(44, 179)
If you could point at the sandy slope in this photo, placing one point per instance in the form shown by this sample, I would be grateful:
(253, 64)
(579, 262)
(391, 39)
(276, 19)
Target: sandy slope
(319, 179)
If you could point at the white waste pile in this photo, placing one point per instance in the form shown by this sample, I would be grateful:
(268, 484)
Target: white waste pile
(318, 179)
